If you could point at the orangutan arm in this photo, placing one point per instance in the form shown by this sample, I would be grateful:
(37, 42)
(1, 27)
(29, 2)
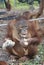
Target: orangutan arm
(37, 14)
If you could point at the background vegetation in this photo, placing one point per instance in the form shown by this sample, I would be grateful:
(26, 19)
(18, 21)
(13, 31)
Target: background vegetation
(19, 5)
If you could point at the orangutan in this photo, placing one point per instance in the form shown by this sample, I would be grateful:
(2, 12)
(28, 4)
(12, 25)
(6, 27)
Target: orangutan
(23, 36)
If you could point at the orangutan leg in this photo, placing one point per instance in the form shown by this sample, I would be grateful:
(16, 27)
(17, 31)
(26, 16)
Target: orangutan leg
(32, 51)
(19, 50)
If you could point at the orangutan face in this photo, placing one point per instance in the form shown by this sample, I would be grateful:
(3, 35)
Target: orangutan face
(24, 34)
(27, 33)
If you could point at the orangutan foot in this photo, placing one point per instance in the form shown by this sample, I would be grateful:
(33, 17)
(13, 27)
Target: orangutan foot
(23, 59)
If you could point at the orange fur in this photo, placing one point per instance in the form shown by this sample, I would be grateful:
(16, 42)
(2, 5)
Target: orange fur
(13, 35)
(3, 63)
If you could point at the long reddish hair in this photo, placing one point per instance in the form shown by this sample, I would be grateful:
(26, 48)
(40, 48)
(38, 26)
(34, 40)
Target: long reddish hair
(3, 63)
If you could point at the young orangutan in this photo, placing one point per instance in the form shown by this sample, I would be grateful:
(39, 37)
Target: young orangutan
(22, 38)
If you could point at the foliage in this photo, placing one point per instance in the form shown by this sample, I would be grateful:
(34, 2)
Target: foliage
(1, 0)
(29, 1)
(18, 5)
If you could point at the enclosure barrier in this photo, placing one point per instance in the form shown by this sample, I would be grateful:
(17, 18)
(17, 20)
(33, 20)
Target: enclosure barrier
(35, 19)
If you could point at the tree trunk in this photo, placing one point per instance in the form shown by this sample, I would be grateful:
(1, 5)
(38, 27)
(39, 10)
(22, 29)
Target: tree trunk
(7, 4)
(37, 14)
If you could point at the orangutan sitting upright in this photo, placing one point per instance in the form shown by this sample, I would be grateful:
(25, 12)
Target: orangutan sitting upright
(23, 36)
